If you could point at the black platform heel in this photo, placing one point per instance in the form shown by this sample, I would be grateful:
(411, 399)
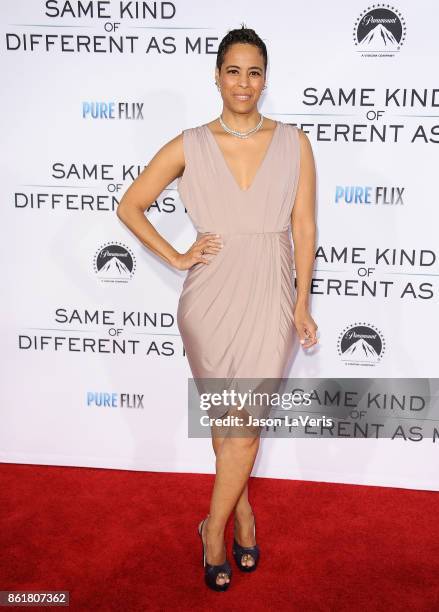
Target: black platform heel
(239, 551)
(211, 571)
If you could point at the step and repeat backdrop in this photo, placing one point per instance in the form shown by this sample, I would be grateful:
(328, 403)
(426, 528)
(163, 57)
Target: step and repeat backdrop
(94, 369)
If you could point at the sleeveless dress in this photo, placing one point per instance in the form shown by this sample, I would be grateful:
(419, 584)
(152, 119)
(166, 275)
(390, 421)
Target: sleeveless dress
(235, 314)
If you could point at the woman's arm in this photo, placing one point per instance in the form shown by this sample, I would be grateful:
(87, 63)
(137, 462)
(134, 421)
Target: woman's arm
(166, 165)
(304, 237)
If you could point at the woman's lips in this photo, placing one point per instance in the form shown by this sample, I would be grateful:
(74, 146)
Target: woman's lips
(242, 97)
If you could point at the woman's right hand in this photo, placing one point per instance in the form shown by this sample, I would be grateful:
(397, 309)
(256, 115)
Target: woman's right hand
(208, 243)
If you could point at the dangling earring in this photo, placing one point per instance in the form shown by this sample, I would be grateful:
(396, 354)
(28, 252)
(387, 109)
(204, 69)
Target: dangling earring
(217, 86)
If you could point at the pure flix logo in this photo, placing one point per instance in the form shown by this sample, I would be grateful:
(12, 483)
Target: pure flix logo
(112, 110)
(361, 344)
(380, 29)
(369, 195)
(114, 262)
(103, 399)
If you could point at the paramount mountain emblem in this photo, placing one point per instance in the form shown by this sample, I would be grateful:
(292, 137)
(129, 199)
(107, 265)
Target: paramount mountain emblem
(114, 262)
(115, 268)
(379, 30)
(361, 344)
(379, 36)
(361, 351)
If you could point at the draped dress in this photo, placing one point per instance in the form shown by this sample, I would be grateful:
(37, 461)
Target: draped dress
(235, 314)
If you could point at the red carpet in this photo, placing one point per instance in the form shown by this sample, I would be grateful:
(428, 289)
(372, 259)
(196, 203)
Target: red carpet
(125, 540)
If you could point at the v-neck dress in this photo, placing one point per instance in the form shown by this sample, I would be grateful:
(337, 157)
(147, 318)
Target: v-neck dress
(235, 314)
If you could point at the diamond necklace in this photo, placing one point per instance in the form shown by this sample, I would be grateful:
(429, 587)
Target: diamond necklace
(241, 134)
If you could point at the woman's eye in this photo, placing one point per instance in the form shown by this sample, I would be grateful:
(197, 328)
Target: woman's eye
(253, 72)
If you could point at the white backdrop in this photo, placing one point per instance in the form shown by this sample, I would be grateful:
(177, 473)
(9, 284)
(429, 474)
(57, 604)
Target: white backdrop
(90, 315)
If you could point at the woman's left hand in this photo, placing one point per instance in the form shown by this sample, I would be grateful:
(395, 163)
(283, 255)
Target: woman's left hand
(305, 325)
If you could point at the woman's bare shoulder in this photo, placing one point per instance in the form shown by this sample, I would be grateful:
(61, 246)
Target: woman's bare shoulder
(170, 154)
(304, 141)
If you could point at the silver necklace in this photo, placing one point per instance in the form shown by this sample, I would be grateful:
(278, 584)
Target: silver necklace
(241, 134)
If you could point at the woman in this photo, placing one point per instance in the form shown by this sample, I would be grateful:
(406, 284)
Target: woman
(239, 179)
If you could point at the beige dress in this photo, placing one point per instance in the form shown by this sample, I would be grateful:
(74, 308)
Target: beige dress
(235, 315)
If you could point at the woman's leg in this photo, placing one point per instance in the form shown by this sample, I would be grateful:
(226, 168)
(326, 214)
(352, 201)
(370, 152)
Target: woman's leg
(243, 509)
(235, 457)
(244, 519)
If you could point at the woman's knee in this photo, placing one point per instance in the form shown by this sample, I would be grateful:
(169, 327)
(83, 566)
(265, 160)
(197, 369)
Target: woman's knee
(243, 443)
